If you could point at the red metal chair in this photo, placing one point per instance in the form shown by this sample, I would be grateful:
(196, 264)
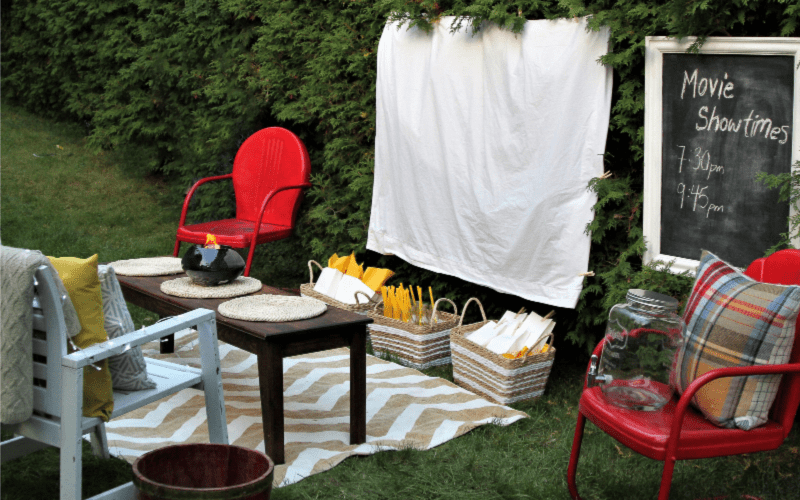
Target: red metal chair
(678, 431)
(269, 172)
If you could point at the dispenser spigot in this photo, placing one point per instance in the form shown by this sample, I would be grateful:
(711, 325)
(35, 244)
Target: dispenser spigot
(592, 378)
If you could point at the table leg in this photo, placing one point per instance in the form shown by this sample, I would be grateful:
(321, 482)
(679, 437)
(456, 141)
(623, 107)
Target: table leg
(270, 382)
(167, 344)
(358, 386)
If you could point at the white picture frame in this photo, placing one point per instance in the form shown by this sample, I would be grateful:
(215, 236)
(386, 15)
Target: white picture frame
(655, 48)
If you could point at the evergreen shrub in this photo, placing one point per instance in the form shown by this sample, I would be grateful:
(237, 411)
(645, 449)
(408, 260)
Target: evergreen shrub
(182, 84)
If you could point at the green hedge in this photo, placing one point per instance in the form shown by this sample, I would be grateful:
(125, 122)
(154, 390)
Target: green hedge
(178, 86)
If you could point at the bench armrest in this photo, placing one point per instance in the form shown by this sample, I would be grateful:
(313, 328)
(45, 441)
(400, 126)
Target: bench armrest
(99, 352)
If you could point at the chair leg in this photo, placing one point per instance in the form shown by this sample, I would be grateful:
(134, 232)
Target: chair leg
(99, 441)
(177, 247)
(666, 478)
(249, 259)
(574, 455)
(212, 383)
(71, 459)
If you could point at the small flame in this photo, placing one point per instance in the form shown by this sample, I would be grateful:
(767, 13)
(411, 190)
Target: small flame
(211, 241)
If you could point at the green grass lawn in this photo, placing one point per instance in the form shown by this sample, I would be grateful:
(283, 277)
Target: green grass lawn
(70, 202)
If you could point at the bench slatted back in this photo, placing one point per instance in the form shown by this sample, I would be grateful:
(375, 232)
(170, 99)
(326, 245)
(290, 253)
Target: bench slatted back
(49, 344)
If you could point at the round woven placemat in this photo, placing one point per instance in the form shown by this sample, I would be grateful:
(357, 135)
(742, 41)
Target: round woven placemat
(184, 287)
(148, 266)
(272, 308)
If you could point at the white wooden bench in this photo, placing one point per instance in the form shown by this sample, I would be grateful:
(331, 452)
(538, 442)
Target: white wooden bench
(58, 387)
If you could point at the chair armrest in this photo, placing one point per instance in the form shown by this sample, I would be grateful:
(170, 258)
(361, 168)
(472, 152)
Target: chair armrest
(269, 197)
(99, 352)
(736, 371)
(193, 189)
(598, 350)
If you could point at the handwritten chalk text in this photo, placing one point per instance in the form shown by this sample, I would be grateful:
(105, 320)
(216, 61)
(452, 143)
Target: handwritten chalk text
(715, 87)
(753, 126)
(700, 201)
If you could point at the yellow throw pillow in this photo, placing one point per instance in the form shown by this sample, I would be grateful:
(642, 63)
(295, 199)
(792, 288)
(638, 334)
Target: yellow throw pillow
(83, 286)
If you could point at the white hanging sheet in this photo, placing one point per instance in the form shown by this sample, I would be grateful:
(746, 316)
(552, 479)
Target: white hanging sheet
(484, 147)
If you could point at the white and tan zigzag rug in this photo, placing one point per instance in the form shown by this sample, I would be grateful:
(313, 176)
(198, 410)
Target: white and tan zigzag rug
(404, 409)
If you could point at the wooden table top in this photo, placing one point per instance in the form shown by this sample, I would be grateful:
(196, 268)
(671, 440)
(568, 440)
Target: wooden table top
(145, 291)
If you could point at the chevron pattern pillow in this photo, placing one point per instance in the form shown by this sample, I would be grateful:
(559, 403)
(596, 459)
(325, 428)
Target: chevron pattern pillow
(128, 370)
(733, 320)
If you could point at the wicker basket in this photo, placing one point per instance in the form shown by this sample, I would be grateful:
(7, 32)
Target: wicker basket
(417, 346)
(307, 290)
(500, 379)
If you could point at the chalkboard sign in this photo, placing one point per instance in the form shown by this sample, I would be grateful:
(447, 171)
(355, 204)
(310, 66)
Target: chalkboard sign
(713, 121)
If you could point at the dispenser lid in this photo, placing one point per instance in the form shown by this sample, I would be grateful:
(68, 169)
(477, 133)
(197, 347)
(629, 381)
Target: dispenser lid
(651, 299)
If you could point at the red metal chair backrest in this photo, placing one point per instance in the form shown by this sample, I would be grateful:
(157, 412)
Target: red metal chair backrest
(270, 158)
(783, 268)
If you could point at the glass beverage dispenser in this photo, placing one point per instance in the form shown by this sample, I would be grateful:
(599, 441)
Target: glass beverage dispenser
(643, 338)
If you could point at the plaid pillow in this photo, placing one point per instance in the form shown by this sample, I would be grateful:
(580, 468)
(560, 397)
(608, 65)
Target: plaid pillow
(733, 320)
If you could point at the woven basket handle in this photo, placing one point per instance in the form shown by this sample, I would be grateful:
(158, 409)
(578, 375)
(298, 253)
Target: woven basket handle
(436, 306)
(355, 295)
(464, 311)
(311, 271)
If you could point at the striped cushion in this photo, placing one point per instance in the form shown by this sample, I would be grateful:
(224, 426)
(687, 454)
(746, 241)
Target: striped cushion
(733, 320)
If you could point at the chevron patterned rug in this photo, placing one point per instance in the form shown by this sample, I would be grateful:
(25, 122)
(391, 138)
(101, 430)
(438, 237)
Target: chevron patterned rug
(404, 409)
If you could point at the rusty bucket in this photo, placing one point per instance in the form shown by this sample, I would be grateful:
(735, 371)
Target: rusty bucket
(203, 471)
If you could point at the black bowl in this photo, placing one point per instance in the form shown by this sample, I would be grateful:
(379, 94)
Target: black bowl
(212, 266)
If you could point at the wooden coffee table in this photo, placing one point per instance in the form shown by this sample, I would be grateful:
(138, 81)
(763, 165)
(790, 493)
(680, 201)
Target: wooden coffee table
(271, 342)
